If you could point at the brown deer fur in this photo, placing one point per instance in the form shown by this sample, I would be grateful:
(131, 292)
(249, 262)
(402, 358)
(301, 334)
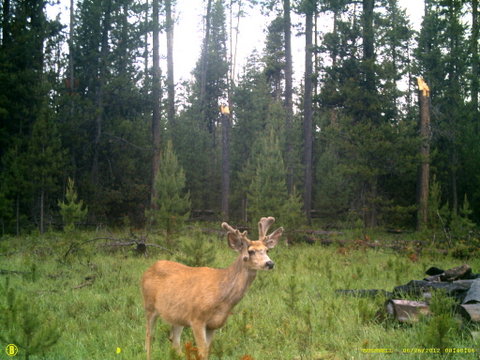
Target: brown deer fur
(203, 297)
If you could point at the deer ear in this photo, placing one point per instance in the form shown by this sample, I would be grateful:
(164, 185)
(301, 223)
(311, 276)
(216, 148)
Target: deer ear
(236, 240)
(272, 240)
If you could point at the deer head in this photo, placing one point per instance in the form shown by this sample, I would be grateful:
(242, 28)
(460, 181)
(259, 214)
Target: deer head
(255, 252)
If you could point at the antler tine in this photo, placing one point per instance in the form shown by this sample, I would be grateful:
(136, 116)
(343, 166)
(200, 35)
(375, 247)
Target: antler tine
(263, 226)
(228, 227)
(237, 232)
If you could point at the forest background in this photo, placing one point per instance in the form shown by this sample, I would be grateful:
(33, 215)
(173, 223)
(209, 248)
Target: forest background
(88, 101)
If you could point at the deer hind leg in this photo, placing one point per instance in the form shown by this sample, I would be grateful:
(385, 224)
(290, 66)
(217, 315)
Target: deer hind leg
(202, 339)
(175, 335)
(151, 320)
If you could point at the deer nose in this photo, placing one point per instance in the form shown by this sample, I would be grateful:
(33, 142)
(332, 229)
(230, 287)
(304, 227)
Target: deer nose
(270, 264)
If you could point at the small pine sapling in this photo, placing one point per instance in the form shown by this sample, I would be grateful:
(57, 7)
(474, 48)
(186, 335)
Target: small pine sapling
(24, 324)
(442, 328)
(172, 203)
(196, 251)
(72, 210)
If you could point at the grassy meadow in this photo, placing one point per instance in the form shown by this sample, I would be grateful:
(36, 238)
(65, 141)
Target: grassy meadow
(89, 296)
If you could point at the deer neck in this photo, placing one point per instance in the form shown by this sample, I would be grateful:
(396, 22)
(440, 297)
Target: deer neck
(237, 279)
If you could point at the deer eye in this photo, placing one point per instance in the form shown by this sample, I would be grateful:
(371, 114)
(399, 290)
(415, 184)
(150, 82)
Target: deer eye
(251, 252)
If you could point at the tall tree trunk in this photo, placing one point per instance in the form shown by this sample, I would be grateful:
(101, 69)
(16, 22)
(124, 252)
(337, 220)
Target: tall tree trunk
(371, 185)
(42, 211)
(204, 67)
(335, 35)
(453, 178)
(170, 72)
(316, 63)
(145, 50)
(287, 30)
(156, 99)
(226, 126)
(368, 46)
(234, 48)
(226, 121)
(308, 115)
(102, 73)
(475, 63)
(424, 169)
(6, 23)
(71, 63)
(17, 215)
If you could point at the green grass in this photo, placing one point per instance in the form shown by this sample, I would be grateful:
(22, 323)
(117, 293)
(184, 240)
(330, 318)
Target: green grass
(292, 312)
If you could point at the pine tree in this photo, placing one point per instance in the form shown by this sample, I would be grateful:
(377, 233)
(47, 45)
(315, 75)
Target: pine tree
(26, 44)
(461, 226)
(309, 9)
(32, 329)
(394, 41)
(14, 186)
(156, 102)
(442, 55)
(363, 140)
(251, 101)
(267, 190)
(172, 201)
(72, 210)
(47, 160)
(274, 57)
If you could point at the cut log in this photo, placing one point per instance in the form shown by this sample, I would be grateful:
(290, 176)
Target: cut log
(407, 310)
(470, 312)
(473, 294)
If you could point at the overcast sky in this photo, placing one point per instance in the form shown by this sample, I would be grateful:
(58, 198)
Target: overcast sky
(189, 33)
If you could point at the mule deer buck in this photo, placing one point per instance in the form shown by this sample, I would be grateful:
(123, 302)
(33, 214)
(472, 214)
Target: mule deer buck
(202, 297)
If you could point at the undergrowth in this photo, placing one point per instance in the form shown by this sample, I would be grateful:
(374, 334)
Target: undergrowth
(91, 295)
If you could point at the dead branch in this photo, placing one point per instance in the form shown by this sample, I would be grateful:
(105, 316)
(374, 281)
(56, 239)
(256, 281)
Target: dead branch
(444, 227)
(73, 246)
(89, 280)
(86, 283)
(7, 272)
(141, 246)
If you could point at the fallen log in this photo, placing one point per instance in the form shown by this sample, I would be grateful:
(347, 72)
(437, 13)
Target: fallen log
(457, 289)
(16, 272)
(460, 272)
(362, 293)
(407, 310)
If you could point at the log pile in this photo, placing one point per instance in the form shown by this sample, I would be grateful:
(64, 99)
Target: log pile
(459, 283)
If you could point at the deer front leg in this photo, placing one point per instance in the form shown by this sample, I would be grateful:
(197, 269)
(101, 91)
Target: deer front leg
(175, 334)
(200, 335)
(209, 337)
